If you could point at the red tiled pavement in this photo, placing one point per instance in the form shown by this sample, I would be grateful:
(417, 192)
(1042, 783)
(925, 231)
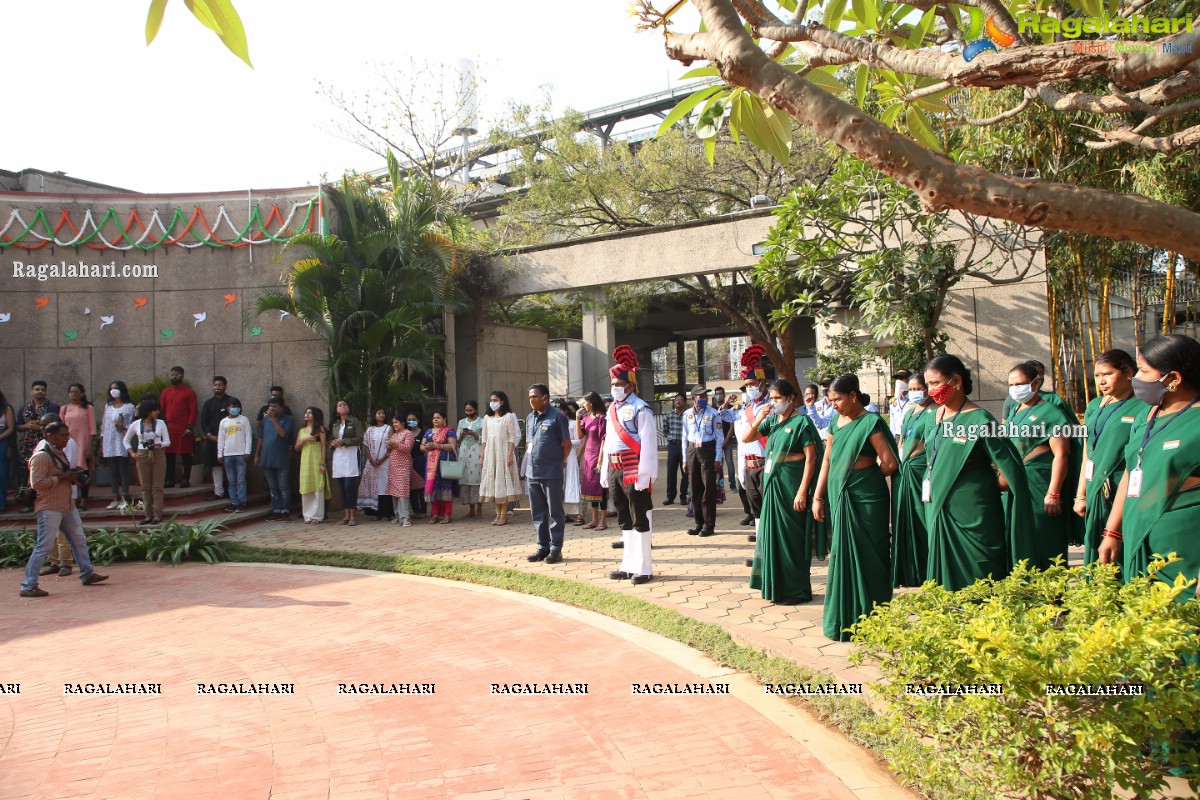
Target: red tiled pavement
(317, 628)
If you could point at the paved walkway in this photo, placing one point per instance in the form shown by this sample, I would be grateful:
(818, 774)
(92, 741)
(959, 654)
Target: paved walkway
(317, 628)
(705, 578)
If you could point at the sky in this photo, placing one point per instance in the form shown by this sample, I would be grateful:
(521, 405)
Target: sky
(86, 96)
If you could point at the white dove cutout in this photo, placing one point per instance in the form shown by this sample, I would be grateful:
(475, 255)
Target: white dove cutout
(200, 317)
(5, 317)
(107, 320)
(87, 311)
(283, 314)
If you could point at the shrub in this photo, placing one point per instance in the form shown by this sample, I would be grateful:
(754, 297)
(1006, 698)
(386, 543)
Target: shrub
(1030, 631)
(16, 547)
(176, 542)
(116, 545)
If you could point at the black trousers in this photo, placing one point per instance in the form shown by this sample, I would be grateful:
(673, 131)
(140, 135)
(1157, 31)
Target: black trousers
(632, 505)
(674, 468)
(702, 474)
(752, 488)
(187, 466)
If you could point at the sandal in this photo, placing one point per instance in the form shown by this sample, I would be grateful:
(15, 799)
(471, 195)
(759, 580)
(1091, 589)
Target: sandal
(353, 522)
(444, 521)
(434, 520)
(502, 521)
(344, 522)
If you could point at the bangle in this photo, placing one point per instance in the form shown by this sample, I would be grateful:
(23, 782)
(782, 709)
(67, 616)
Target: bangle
(1109, 533)
(1081, 497)
(1053, 495)
(818, 500)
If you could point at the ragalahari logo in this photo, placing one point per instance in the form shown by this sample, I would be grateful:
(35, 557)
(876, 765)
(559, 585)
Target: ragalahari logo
(995, 36)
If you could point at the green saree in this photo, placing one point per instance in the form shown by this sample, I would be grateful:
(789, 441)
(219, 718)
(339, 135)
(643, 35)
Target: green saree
(969, 537)
(1164, 519)
(1051, 535)
(785, 537)
(1108, 434)
(860, 516)
(910, 540)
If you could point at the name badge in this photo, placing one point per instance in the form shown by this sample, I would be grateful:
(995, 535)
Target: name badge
(1088, 469)
(926, 491)
(767, 467)
(1171, 445)
(1134, 487)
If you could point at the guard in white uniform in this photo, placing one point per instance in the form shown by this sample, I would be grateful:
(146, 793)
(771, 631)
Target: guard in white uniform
(628, 468)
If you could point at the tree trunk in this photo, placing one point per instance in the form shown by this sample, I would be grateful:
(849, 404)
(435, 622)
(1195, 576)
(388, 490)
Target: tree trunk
(940, 182)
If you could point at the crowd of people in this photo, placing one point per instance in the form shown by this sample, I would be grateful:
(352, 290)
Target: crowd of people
(938, 491)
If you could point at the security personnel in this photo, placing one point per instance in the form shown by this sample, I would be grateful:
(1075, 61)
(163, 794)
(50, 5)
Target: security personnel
(628, 468)
(751, 453)
(703, 438)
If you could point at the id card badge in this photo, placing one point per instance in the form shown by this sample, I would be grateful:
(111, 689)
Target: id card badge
(767, 467)
(1134, 487)
(1089, 469)
(926, 491)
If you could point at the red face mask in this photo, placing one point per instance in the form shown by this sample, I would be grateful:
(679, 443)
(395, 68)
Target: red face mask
(941, 394)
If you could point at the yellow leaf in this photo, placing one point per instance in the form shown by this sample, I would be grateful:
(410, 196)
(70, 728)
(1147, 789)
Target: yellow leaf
(154, 19)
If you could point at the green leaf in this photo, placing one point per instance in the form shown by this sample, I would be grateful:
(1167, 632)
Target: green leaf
(834, 11)
(934, 102)
(779, 136)
(700, 72)
(890, 113)
(922, 28)
(201, 11)
(154, 19)
(684, 107)
(822, 78)
(225, 22)
(710, 150)
(867, 13)
(861, 83)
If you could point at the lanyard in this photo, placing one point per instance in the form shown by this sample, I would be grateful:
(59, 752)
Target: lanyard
(935, 441)
(912, 424)
(698, 420)
(1149, 434)
(1102, 421)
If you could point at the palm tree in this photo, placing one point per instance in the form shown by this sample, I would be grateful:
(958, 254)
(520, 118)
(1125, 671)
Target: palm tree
(369, 289)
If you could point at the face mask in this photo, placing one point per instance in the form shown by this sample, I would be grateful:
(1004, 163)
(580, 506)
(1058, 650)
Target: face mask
(114, 393)
(753, 392)
(1150, 392)
(719, 399)
(495, 405)
(916, 397)
(234, 411)
(780, 407)
(412, 423)
(941, 394)
(702, 402)
(901, 388)
(1021, 393)
(618, 393)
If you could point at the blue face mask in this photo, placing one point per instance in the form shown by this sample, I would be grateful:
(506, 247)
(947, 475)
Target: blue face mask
(234, 411)
(702, 402)
(412, 423)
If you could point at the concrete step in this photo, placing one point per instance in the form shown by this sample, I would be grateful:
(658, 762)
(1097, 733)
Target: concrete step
(190, 507)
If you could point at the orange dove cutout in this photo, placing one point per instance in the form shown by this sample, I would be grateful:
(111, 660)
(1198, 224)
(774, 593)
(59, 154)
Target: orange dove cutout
(41, 302)
(229, 298)
(138, 302)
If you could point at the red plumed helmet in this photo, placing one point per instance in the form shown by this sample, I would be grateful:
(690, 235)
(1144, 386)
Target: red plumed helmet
(627, 364)
(751, 358)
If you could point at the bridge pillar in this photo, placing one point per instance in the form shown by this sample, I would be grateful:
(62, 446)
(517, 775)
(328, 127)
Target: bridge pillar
(599, 340)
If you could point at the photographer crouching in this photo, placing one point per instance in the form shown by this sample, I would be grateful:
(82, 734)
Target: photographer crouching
(51, 476)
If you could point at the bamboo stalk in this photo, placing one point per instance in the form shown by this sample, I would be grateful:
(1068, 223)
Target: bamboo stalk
(1086, 297)
(1168, 321)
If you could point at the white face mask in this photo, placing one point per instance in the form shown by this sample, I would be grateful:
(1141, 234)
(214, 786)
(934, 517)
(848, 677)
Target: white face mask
(495, 405)
(114, 393)
(753, 392)
(901, 388)
(917, 397)
(618, 393)
(1021, 393)
(780, 407)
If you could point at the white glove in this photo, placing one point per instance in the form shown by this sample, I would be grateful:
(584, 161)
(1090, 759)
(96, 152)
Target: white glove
(641, 485)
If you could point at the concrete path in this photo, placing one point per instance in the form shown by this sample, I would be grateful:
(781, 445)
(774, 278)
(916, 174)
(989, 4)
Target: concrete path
(318, 631)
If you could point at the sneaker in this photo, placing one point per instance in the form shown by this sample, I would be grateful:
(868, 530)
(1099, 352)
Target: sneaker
(94, 578)
(64, 571)
(113, 506)
(405, 524)
(230, 508)
(146, 521)
(34, 592)
(49, 569)
(123, 505)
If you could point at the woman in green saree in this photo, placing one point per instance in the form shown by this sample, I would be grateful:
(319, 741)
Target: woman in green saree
(783, 550)
(853, 493)
(1109, 419)
(1040, 432)
(910, 540)
(1157, 503)
(969, 536)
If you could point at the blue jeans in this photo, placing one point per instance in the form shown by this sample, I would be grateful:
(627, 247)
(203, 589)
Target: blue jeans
(546, 502)
(277, 484)
(235, 477)
(49, 524)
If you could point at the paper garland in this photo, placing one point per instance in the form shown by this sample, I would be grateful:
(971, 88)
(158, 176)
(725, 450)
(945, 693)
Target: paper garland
(88, 232)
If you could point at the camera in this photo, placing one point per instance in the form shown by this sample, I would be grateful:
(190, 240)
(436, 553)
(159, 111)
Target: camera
(85, 477)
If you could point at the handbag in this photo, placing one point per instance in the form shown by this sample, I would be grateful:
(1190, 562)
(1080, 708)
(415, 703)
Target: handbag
(452, 470)
(26, 496)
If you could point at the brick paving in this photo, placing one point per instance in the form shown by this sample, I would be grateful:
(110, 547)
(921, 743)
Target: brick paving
(705, 578)
(318, 628)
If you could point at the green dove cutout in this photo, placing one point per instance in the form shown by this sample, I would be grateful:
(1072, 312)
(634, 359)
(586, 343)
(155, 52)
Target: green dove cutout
(167, 333)
(255, 331)
(71, 335)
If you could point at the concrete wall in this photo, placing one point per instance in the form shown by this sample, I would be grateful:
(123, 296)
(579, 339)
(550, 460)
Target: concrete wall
(66, 341)
(505, 357)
